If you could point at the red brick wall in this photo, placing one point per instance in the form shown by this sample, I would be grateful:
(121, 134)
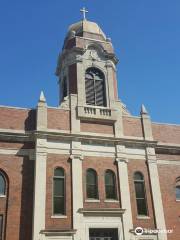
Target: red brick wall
(100, 164)
(132, 127)
(133, 166)
(53, 162)
(58, 119)
(18, 119)
(96, 127)
(167, 176)
(73, 79)
(16, 145)
(166, 133)
(20, 200)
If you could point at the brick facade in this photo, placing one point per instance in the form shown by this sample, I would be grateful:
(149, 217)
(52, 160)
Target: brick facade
(33, 142)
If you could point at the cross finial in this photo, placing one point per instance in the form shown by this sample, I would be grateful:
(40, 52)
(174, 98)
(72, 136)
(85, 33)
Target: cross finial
(84, 11)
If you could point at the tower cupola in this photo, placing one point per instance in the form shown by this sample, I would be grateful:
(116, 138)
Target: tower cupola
(87, 68)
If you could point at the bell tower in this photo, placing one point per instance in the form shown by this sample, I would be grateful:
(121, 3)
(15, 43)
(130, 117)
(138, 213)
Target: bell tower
(87, 69)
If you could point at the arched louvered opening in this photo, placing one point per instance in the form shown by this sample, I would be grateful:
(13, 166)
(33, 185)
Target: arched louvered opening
(110, 185)
(95, 87)
(178, 189)
(59, 192)
(2, 185)
(140, 191)
(91, 184)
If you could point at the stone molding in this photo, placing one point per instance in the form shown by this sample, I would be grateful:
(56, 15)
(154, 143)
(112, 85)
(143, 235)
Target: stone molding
(73, 157)
(123, 160)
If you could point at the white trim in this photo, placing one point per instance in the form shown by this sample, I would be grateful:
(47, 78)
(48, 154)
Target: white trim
(59, 216)
(18, 108)
(168, 162)
(143, 217)
(92, 200)
(18, 152)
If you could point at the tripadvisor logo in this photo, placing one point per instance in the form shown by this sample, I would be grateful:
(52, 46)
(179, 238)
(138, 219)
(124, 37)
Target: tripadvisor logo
(139, 231)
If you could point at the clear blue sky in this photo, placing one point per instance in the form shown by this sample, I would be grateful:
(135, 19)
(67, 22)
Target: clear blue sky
(145, 34)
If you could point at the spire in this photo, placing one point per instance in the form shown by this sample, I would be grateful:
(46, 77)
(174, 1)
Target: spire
(84, 11)
(143, 110)
(42, 97)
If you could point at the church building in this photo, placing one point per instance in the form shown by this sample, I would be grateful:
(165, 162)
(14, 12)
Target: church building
(87, 169)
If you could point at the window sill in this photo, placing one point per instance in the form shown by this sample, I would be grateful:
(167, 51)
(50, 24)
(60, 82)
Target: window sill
(143, 217)
(92, 200)
(2, 196)
(178, 200)
(111, 201)
(59, 216)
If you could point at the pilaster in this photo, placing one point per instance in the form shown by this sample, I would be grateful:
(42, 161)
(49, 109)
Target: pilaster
(77, 189)
(156, 192)
(124, 191)
(40, 171)
(110, 81)
(80, 80)
(153, 173)
(75, 122)
(146, 124)
(118, 125)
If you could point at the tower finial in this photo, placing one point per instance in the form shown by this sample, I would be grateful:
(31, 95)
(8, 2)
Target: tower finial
(84, 11)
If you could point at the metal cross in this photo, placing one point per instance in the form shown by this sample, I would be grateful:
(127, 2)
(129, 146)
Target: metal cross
(84, 11)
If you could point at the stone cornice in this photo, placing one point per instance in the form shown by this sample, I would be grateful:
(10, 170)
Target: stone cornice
(26, 136)
(102, 211)
(58, 232)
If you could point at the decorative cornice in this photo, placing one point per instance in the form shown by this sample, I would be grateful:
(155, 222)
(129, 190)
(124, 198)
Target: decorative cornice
(26, 136)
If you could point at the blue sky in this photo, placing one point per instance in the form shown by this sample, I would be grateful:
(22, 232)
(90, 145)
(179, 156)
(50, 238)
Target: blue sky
(145, 34)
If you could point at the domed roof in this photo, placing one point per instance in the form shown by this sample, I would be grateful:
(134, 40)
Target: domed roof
(85, 26)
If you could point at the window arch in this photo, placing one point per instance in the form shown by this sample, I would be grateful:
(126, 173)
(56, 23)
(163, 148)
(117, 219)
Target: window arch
(59, 191)
(110, 185)
(2, 184)
(178, 189)
(91, 184)
(140, 191)
(95, 87)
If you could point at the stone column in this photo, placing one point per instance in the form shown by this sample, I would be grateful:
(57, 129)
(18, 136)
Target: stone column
(77, 190)
(40, 171)
(154, 176)
(124, 192)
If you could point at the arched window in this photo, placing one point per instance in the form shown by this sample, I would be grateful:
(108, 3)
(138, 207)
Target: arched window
(3, 201)
(2, 185)
(95, 87)
(140, 194)
(110, 185)
(91, 184)
(59, 192)
(178, 189)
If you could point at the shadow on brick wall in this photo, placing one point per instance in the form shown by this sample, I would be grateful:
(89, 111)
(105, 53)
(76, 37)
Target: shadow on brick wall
(27, 199)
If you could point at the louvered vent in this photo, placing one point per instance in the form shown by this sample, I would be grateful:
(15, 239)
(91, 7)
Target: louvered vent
(95, 87)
